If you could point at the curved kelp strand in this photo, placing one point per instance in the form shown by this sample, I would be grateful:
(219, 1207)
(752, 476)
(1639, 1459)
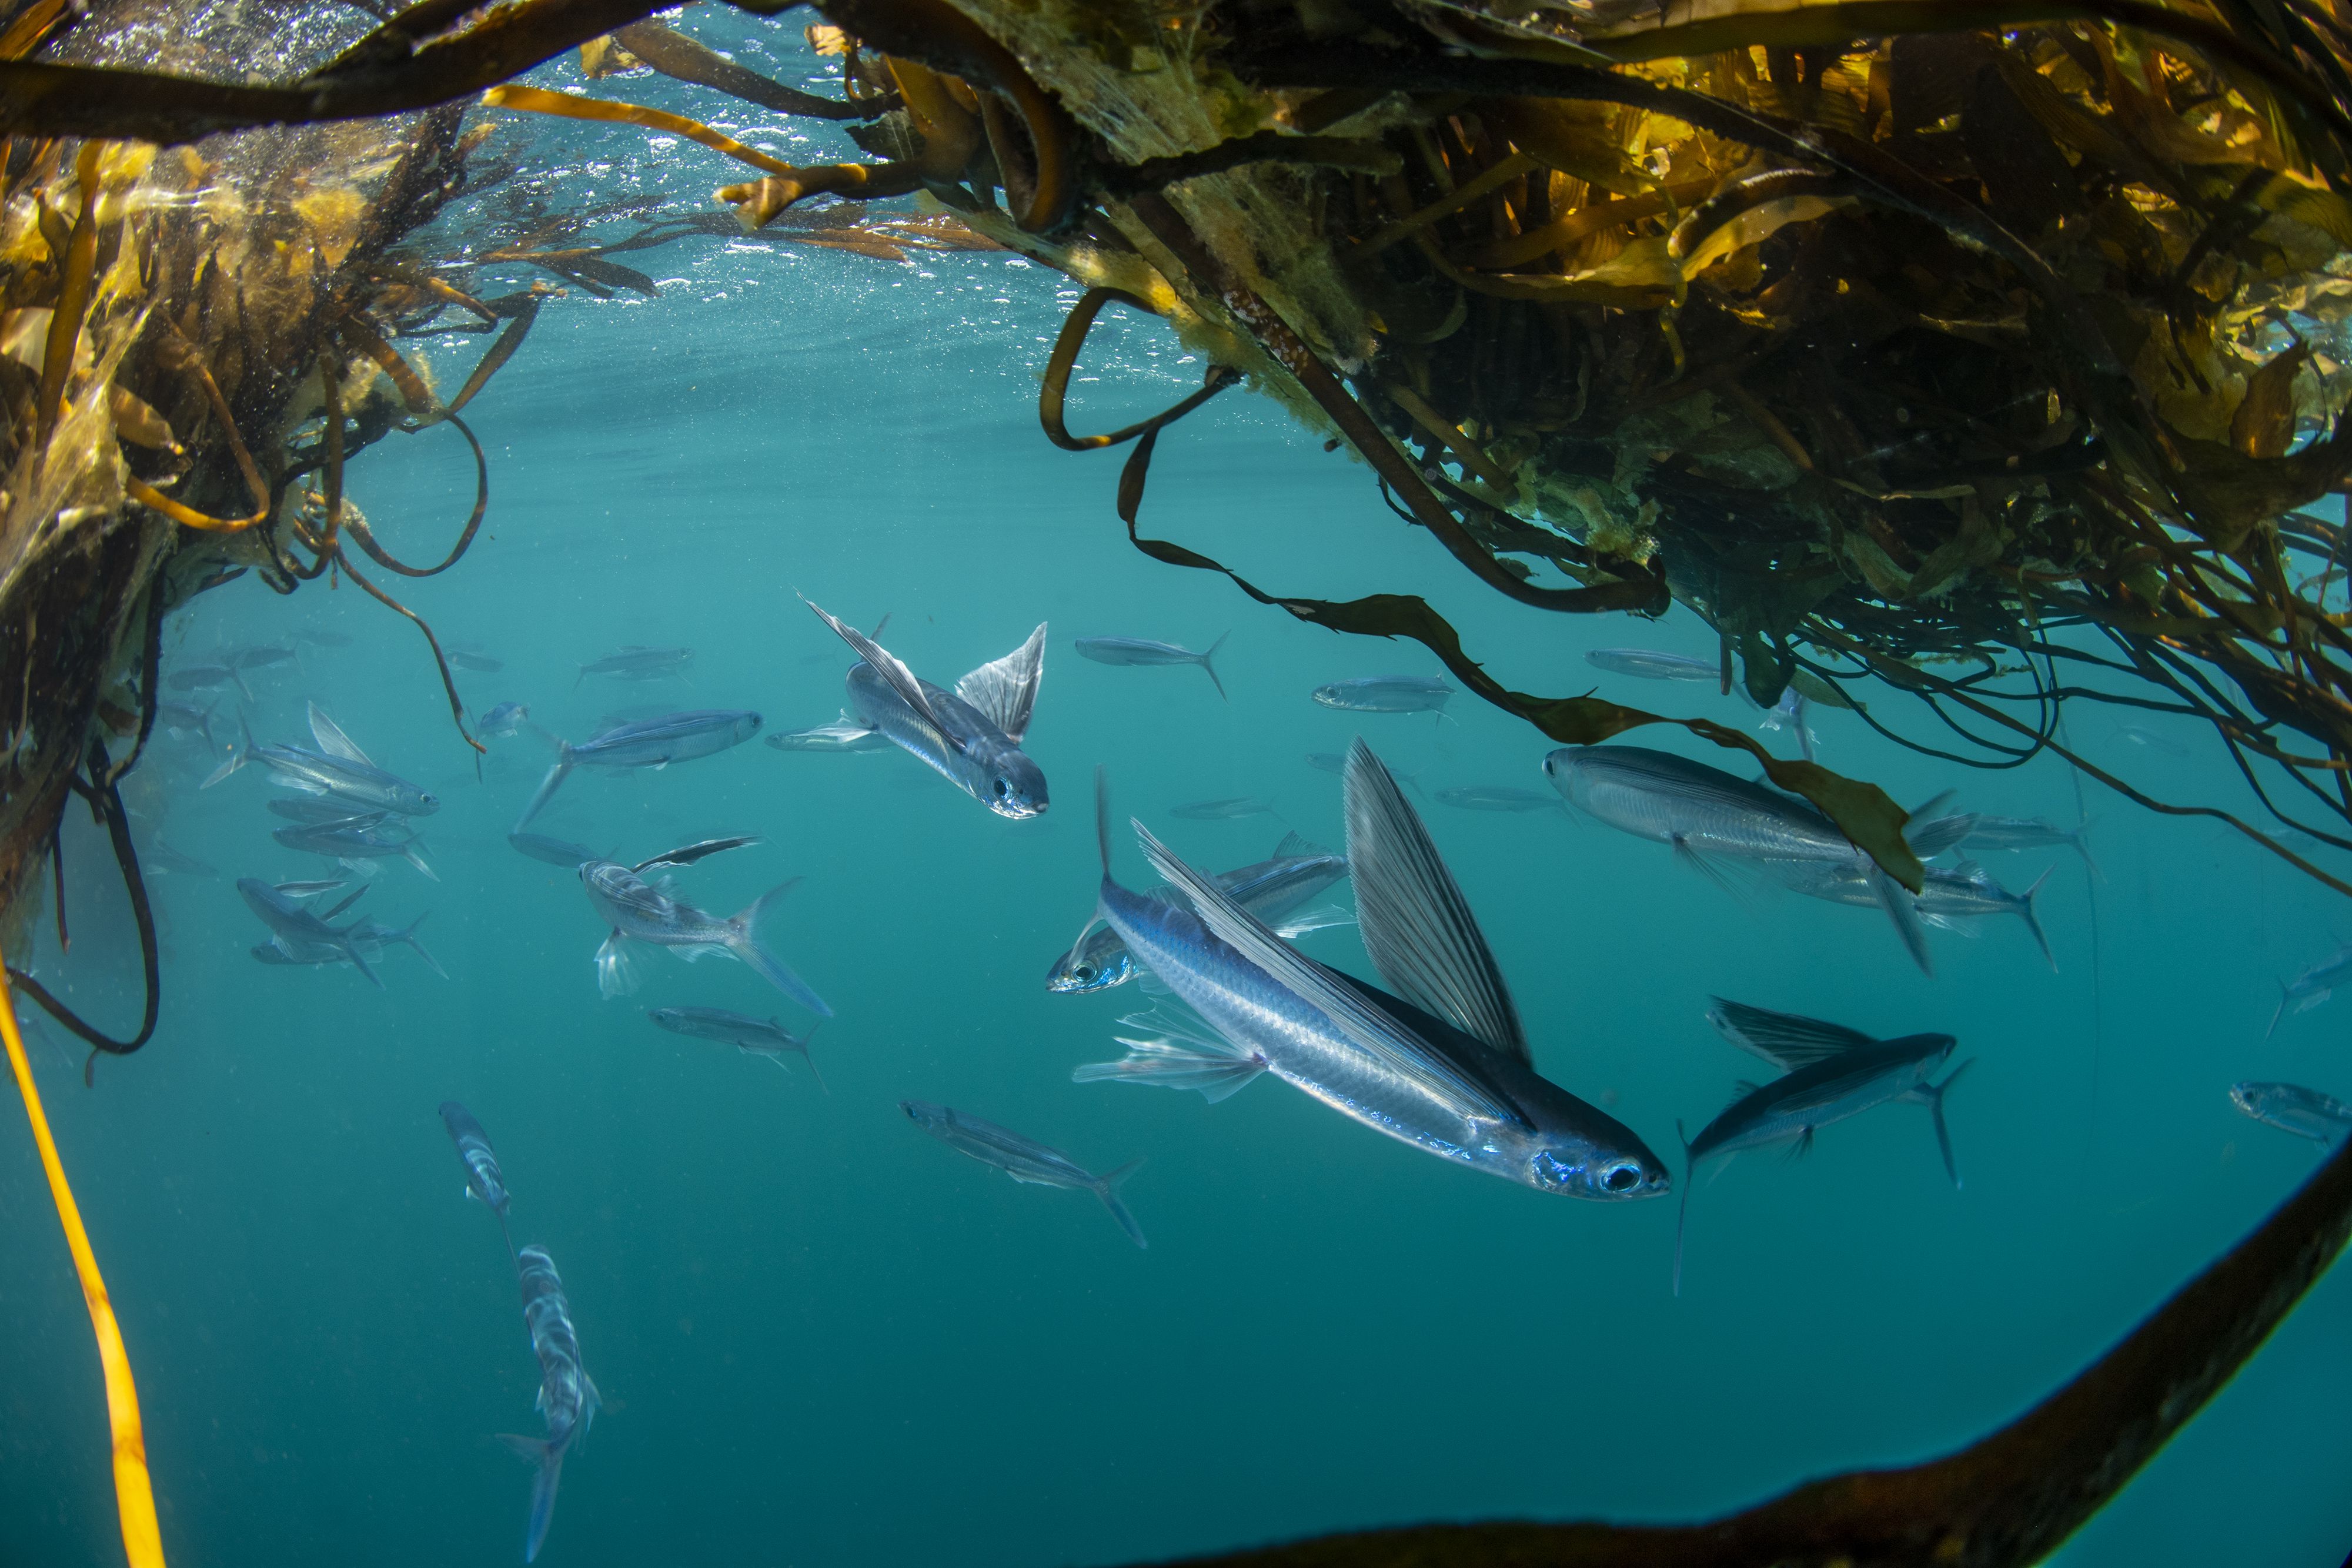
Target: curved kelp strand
(134, 1496)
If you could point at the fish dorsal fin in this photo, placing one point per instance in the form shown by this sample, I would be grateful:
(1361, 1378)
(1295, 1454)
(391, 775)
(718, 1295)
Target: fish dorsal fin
(1788, 1040)
(1416, 925)
(332, 740)
(1374, 1032)
(1297, 845)
(1006, 689)
(894, 674)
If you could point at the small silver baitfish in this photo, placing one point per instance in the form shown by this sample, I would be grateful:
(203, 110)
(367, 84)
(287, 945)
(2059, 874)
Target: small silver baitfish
(753, 1036)
(972, 735)
(1650, 664)
(369, 937)
(845, 733)
(637, 910)
(1143, 651)
(567, 1395)
(1024, 1159)
(2028, 833)
(1945, 898)
(483, 1180)
(2292, 1108)
(1224, 808)
(1386, 694)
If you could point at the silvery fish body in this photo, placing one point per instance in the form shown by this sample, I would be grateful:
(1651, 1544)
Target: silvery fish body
(319, 809)
(259, 657)
(1024, 1159)
(295, 927)
(567, 1395)
(1945, 896)
(475, 661)
(483, 1180)
(2292, 1108)
(845, 733)
(970, 737)
(1224, 808)
(1386, 694)
(1143, 650)
(1472, 1099)
(368, 937)
(357, 840)
(637, 910)
(1659, 796)
(1497, 798)
(501, 721)
(646, 743)
(752, 1036)
(639, 664)
(1649, 664)
(1271, 889)
(555, 851)
(2313, 987)
(338, 771)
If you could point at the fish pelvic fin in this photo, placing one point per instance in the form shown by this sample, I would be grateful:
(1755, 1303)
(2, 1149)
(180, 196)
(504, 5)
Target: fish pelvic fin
(1106, 1188)
(413, 852)
(743, 941)
(549, 1457)
(616, 972)
(1209, 668)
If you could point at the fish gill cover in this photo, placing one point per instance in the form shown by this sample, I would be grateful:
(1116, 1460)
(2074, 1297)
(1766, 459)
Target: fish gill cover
(1988, 356)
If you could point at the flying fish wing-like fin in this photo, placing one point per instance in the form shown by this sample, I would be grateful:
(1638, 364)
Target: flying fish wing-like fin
(1297, 845)
(1370, 1031)
(893, 673)
(332, 740)
(1788, 1040)
(689, 853)
(1006, 689)
(1416, 925)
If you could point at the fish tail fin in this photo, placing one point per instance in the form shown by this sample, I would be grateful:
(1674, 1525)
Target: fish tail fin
(1106, 1188)
(2026, 913)
(806, 1055)
(1681, 1214)
(1209, 669)
(549, 1457)
(547, 787)
(745, 943)
(352, 951)
(1934, 1095)
(239, 756)
(413, 852)
(2081, 842)
(1903, 910)
(2284, 996)
(409, 936)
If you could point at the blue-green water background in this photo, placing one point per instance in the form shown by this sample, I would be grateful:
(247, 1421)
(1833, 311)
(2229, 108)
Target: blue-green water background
(823, 1338)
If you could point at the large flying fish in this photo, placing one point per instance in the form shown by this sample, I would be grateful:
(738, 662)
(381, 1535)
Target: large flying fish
(338, 770)
(972, 735)
(1444, 1064)
(1274, 890)
(1829, 1072)
(639, 910)
(645, 743)
(567, 1395)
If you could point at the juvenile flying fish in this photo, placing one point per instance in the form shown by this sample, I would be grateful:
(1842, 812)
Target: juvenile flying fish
(567, 1395)
(296, 929)
(640, 911)
(653, 743)
(369, 937)
(1443, 1065)
(338, 771)
(315, 810)
(1386, 694)
(636, 663)
(185, 719)
(320, 637)
(1275, 890)
(483, 1181)
(1143, 651)
(970, 737)
(1498, 798)
(1024, 1159)
(2292, 1108)
(1829, 1072)
(1224, 808)
(501, 721)
(753, 1036)
(2313, 987)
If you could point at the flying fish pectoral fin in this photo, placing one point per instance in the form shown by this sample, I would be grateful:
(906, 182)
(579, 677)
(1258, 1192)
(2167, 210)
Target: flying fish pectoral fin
(1293, 927)
(1416, 925)
(1181, 1053)
(893, 673)
(1295, 845)
(1370, 1031)
(1006, 689)
(332, 740)
(687, 854)
(1933, 837)
(1788, 1040)
(1717, 870)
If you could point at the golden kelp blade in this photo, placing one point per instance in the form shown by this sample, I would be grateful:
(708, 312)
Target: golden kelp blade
(143, 1541)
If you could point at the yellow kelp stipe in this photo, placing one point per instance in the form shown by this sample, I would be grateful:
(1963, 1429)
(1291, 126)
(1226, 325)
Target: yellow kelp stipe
(142, 1542)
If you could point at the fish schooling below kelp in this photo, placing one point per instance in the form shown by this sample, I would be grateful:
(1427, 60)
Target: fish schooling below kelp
(1386, 694)
(1829, 1072)
(1143, 650)
(972, 735)
(1024, 1159)
(567, 1395)
(338, 771)
(1272, 889)
(1444, 1064)
(653, 743)
(753, 1036)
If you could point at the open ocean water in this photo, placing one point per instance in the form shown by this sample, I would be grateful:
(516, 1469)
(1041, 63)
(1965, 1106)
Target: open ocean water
(823, 1338)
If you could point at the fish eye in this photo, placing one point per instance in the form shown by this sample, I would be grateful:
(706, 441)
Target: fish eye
(1084, 971)
(1004, 788)
(1623, 1178)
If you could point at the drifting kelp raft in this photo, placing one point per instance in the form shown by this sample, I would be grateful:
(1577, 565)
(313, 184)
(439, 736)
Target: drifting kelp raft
(1986, 355)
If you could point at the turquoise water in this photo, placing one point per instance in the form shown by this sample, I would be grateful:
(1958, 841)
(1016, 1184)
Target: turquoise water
(823, 1337)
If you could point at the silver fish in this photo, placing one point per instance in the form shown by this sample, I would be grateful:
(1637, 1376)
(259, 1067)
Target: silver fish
(1498, 798)
(296, 927)
(1386, 694)
(1650, 664)
(753, 1036)
(369, 937)
(337, 770)
(637, 910)
(1143, 651)
(845, 733)
(501, 721)
(260, 657)
(205, 677)
(1272, 889)
(479, 663)
(970, 737)
(185, 719)
(1224, 808)
(555, 851)
(646, 743)
(1947, 896)
(2292, 1108)
(324, 809)
(2313, 987)
(2028, 833)
(1829, 1072)
(567, 1395)
(1444, 1065)
(164, 857)
(635, 663)
(358, 839)
(483, 1180)
(1024, 1159)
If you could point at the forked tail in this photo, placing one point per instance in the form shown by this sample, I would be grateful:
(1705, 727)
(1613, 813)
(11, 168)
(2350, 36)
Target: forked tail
(745, 943)
(1106, 1188)
(1934, 1095)
(549, 1456)
(1209, 669)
